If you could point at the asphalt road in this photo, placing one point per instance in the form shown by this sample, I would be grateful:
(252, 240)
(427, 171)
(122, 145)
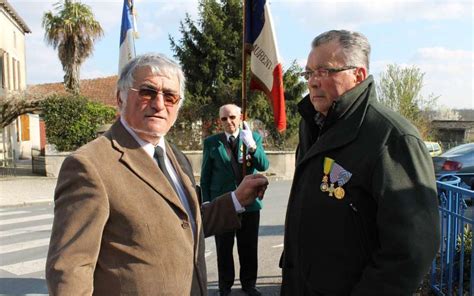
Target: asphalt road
(25, 233)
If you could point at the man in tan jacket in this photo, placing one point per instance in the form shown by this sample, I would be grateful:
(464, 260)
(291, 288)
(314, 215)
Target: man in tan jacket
(127, 219)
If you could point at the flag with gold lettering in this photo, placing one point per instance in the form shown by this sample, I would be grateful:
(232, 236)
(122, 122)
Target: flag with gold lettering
(265, 63)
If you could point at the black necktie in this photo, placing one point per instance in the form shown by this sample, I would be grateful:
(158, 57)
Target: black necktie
(159, 156)
(232, 142)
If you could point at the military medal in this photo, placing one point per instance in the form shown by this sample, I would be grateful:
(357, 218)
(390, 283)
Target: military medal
(331, 189)
(328, 162)
(339, 193)
(340, 176)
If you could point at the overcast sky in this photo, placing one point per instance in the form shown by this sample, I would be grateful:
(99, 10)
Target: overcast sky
(436, 36)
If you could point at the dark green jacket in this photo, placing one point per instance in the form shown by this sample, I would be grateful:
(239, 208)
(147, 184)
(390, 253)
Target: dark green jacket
(382, 236)
(218, 175)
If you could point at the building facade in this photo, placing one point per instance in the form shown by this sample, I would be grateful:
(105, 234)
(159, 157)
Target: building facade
(23, 134)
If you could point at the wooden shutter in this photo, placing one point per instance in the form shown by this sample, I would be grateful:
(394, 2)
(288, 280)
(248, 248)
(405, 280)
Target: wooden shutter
(25, 127)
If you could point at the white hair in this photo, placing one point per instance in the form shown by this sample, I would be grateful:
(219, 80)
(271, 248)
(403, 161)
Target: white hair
(159, 65)
(233, 106)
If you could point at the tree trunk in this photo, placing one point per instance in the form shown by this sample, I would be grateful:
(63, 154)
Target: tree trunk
(71, 79)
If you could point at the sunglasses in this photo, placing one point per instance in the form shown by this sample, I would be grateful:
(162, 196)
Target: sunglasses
(147, 94)
(231, 117)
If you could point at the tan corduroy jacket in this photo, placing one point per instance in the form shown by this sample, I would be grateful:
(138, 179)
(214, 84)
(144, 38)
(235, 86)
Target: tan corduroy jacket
(119, 227)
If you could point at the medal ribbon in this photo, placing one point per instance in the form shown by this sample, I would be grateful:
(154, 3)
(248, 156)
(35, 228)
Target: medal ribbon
(328, 163)
(335, 172)
(344, 177)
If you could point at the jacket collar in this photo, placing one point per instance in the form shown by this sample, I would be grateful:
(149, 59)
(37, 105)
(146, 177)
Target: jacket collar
(343, 121)
(338, 109)
(137, 160)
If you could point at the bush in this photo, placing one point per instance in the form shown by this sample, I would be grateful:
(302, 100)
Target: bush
(71, 121)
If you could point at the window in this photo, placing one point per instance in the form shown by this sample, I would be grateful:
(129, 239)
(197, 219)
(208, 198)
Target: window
(6, 59)
(2, 71)
(18, 73)
(14, 80)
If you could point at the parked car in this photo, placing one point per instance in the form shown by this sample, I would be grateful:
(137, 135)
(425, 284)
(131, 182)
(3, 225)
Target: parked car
(434, 148)
(458, 160)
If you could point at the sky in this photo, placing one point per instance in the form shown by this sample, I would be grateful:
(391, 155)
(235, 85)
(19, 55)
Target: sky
(435, 36)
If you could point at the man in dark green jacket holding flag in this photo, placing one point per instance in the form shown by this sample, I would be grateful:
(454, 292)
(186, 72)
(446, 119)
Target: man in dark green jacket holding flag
(362, 216)
(221, 171)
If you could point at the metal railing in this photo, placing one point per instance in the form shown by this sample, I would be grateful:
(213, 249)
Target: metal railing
(452, 272)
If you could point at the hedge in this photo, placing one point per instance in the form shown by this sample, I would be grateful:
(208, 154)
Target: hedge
(71, 121)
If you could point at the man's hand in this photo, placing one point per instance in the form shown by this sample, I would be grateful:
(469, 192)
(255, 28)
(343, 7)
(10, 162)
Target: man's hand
(247, 137)
(251, 187)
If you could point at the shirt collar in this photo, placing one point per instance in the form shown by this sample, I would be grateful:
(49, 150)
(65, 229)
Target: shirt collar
(235, 134)
(147, 146)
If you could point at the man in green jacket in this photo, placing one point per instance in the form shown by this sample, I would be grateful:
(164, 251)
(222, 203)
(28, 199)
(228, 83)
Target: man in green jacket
(362, 217)
(222, 172)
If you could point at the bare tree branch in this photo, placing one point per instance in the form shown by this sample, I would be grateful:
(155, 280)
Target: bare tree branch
(16, 104)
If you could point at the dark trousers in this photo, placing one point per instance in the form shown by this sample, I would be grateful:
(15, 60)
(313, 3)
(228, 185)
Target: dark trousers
(247, 246)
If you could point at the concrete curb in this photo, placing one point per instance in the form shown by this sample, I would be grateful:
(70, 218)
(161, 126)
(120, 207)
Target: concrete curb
(26, 203)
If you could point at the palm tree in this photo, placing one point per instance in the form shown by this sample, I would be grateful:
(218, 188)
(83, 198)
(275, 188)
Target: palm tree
(73, 31)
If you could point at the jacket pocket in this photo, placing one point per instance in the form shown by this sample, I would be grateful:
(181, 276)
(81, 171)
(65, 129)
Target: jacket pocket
(361, 233)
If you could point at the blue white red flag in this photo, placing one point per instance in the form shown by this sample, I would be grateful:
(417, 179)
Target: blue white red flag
(265, 63)
(127, 34)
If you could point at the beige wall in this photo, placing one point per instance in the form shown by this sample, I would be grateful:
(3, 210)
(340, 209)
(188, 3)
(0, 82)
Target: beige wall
(282, 164)
(12, 50)
(12, 53)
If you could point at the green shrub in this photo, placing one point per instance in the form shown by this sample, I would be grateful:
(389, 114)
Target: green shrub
(72, 121)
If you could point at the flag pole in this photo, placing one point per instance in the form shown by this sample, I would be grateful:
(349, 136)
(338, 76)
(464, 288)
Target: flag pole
(244, 88)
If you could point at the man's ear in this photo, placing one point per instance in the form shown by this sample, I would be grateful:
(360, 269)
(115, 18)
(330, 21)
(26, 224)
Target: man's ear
(361, 74)
(119, 100)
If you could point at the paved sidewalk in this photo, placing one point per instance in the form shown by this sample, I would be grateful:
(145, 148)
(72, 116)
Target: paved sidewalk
(26, 190)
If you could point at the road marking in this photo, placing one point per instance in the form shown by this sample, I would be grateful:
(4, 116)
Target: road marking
(13, 213)
(23, 245)
(25, 219)
(25, 267)
(31, 229)
(278, 246)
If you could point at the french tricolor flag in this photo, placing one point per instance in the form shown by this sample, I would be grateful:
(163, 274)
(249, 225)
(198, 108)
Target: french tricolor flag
(265, 63)
(127, 35)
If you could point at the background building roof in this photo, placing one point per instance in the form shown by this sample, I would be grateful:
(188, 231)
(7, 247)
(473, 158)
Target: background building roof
(15, 15)
(99, 89)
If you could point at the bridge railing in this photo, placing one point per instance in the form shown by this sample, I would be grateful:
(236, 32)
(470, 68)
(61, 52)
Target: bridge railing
(452, 272)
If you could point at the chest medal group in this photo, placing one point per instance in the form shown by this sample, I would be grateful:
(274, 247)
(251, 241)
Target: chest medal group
(335, 176)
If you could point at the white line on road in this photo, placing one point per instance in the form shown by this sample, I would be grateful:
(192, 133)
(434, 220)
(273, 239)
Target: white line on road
(25, 267)
(12, 213)
(25, 219)
(31, 229)
(278, 246)
(23, 245)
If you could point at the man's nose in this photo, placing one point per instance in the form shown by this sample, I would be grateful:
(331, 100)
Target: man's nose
(158, 102)
(314, 81)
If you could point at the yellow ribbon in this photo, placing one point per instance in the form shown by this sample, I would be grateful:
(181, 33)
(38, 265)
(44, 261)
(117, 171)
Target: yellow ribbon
(328, 163)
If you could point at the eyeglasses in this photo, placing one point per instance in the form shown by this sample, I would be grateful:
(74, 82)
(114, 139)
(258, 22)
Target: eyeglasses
(231, 117)
(324, 72)
(147, 94)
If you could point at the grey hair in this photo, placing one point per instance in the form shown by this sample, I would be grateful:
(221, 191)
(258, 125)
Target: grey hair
(159, 65)
(355, 46)
(229, 105)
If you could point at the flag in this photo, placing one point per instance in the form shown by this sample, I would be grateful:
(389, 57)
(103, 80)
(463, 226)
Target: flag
(127, 34)
(265, 63)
